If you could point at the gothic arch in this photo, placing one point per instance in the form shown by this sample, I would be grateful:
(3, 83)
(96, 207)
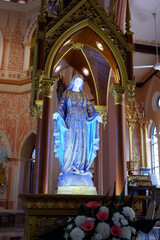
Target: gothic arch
(27, 145)
(69, 32)
(119, 61)
(30, 30)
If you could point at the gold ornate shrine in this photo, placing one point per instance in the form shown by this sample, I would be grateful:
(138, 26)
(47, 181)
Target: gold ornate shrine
(45, 212)
(71, 39)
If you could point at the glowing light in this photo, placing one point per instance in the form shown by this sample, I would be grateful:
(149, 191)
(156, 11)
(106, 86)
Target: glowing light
(58, 68)
(85, 71)
(67, 42)
(99, 45)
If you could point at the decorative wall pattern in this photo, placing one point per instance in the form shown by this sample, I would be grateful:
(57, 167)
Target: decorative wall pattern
(15, 119)
(16, 51)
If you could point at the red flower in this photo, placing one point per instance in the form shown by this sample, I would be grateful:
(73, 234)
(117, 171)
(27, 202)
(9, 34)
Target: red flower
(103, 216)
(92, 204)
(116, 231)
(88, 225)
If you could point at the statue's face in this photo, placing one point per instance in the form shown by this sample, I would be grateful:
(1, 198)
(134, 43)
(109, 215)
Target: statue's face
(78, 82)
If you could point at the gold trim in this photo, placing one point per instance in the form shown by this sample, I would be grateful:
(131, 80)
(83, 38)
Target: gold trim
(118, 92)
(118, 55)
(92, 75)
(39, 107)
(102, 111)
(47, 86)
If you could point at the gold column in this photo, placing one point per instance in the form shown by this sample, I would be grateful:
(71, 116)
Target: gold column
(118, 92)
(142, 144)
(145, 124)
(102, 110)
(47, 90)
(39, 107)
(131, 126)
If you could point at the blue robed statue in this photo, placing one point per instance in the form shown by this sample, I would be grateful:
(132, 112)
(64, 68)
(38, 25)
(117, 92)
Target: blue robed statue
(76, 135)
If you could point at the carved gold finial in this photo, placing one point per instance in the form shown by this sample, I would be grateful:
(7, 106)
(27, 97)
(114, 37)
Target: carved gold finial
(102, 111)
(131, 88)
(42, 10)
(112, 10)
(47, 86)
(128, 19)
(77, 46)
(117, 91)
(39, 107)
(32, 112)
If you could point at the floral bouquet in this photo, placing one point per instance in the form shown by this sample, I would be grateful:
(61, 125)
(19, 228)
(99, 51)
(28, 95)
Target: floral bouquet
(130, 181)
(101, 222)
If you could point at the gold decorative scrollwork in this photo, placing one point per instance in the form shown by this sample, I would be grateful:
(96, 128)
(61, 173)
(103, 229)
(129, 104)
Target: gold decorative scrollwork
(79, 11)
(39, 107)
(117, 91)
(47, 86)
(103, 111)
(77, 46)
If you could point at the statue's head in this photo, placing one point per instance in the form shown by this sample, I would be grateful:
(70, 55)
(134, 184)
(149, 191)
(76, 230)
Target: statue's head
(78, 80)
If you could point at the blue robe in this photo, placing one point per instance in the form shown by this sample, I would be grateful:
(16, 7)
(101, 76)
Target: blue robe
(76, 133)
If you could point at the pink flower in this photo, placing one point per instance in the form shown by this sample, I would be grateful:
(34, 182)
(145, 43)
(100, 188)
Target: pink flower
(88, 225)
(116, 230)
(92, 204)
(103, 216)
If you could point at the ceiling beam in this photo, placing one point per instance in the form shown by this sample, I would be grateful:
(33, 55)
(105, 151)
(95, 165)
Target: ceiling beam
(146, 48)
(141, 84)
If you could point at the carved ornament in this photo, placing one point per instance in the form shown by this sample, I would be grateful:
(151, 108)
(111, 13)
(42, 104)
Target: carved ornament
(77, 46)
(39, 107)
(117, 91)
(102, 111)
(85, 10)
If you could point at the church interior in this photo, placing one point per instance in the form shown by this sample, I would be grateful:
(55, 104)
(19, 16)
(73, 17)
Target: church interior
(115, 46)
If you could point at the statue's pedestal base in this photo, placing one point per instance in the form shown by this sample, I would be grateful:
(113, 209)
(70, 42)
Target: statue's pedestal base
(82, 190)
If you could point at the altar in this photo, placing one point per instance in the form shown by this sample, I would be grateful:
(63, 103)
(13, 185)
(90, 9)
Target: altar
(45, 212)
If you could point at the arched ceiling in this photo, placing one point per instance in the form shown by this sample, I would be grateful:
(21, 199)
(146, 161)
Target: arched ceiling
(89, 56)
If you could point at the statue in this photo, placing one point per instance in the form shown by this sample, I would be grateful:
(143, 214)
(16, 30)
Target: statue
(76, 135)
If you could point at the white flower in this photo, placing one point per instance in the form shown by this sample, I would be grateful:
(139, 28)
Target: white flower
(66, 235)
(96, 237)
(69, 219)
(91, 219)
(77, 234)
(126, 233)
(103, 229)
(124, 221)
(104, 209)
(116, 218)
(133, 230)
(69, 227)
(79, 220)
(129, 213)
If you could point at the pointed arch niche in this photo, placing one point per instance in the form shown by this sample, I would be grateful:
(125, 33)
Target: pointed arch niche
(71, 41)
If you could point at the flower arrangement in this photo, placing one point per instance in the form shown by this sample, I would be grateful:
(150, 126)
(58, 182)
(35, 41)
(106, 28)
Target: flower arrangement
(130, 181)
(101, 222)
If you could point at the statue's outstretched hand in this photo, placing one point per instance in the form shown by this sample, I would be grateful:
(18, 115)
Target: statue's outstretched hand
(55, 115)
(99, 119)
